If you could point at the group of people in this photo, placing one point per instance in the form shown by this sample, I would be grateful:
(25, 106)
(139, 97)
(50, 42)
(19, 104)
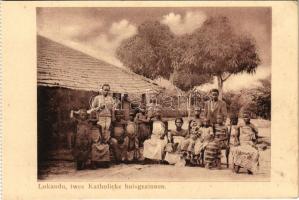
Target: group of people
(106, 135)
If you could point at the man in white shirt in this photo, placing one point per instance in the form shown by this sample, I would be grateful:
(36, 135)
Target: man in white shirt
(103, 104)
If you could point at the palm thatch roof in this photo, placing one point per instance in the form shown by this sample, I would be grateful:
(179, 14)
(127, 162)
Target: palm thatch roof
(62, 66)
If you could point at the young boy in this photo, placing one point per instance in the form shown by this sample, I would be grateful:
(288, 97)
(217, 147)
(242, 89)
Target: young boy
(143, 125)
(82, 147)
(131, 141)
(117, 137)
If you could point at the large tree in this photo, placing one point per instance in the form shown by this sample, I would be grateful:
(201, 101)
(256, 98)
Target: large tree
(219, 50)
(155, 52)
(146, 53)
(184, 76)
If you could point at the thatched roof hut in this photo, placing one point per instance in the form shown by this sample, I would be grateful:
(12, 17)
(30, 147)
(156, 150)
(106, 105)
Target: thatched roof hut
(61, 66)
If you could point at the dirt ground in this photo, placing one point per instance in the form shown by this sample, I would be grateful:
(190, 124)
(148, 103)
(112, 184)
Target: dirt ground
(65, 170)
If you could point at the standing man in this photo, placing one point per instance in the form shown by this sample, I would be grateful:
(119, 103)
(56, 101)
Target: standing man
(103, 104)
(215, 107)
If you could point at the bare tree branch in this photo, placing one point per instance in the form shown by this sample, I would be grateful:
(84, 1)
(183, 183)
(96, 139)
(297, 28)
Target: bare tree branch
(226, 77)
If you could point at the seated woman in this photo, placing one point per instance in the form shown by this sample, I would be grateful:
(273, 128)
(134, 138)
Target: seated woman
(245, 154)
(154, 147)
(175, 138)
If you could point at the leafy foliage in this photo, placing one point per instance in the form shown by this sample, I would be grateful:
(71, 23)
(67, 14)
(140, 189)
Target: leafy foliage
(147, 52)
(187, 80)
(214, 49)
(217, 50)
(256, 100)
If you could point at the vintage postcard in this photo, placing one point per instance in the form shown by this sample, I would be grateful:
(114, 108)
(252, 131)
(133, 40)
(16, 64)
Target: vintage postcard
(150, 99)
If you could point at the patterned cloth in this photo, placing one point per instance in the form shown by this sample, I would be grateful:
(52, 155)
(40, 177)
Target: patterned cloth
(212, 153)
(246, 155)
(221, 136)
(202, 142)
(194, 134)
(188, 144)
(100, 152)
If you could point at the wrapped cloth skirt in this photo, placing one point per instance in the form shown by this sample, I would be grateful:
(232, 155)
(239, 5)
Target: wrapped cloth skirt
(246, 156)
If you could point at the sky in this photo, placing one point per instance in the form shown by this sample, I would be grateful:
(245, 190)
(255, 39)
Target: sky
(99, 31)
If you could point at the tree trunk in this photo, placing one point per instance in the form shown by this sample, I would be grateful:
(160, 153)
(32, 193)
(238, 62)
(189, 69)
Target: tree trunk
(220, 86)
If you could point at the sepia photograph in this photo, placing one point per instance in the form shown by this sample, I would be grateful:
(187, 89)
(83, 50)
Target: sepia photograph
(154, 94)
